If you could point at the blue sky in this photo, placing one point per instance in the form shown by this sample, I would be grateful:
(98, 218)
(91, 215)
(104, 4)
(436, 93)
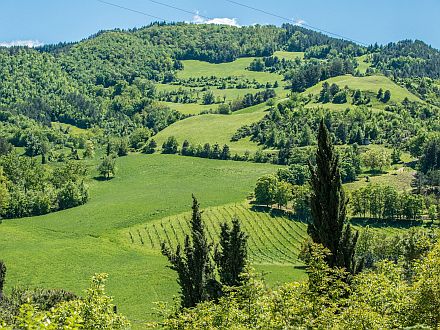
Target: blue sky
(369, 21)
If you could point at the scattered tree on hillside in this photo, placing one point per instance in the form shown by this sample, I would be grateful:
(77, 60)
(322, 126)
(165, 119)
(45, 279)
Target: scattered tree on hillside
(107, 168)
(231, 253)
(265, 190)
(328, 206)
(193, 265)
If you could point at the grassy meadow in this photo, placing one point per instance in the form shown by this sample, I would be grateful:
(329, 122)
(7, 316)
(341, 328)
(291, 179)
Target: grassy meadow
(214, 128)
(367, 84)
(76, 243)
(237, 68)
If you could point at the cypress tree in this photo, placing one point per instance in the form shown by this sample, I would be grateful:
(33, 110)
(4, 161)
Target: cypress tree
(328, 206)
(193, 266)
(231, 254)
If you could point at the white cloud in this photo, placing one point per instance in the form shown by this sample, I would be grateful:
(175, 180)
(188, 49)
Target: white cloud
(300, 22)
(28, 43)
(218, 20)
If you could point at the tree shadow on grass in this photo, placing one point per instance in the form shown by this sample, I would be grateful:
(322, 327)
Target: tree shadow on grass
(102, 179)
(275, 213)
(379, 223)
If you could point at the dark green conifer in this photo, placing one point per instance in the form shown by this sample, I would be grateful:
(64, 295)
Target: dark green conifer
(193, 266)
(231, 254)
(328, 206)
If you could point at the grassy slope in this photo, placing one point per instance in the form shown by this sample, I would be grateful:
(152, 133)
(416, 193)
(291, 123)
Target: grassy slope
(195, 69)
(363, 63)
(215, 128)
(237, 68)
(289, 55)
(370, 84)
(64, 249)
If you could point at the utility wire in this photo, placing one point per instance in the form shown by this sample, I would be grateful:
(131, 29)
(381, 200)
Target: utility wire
(291, 20)
(236, 3)
(132, 10)
(180, 9)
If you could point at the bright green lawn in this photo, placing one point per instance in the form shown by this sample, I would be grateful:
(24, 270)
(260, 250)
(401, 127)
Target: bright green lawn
(194, 69)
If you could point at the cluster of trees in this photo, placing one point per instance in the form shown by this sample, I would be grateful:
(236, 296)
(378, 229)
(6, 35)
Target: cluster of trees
(206, 151)
(272, 189)
(376, 159)
(291, 125)
(425, 88)
(247, 100)
(314, 71)
(274, 64)
(230, 82)
(332, 93)
(386, 203)
(300, 39)
(28, 188)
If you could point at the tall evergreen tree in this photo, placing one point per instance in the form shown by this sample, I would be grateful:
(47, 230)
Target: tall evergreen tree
(194, 266)
(328, 206)
(231, 254)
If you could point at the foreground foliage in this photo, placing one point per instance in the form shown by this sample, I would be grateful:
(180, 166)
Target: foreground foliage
(378, 299)
(94, 311)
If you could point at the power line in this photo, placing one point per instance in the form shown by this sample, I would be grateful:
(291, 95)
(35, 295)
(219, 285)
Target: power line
(291, 20)
(132, 10)
(180, 9)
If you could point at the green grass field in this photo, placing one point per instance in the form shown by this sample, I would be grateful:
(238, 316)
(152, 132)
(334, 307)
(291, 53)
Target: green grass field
(195, 69)
(64, 249)
(289, 55)
(363, 63)
(213, 128)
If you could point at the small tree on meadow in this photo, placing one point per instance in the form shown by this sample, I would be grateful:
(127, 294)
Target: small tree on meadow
(107, 168)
